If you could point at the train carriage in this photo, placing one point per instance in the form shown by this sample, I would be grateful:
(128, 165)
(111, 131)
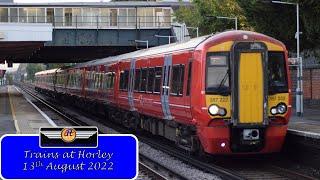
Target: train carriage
(44, 80)
(226, 93)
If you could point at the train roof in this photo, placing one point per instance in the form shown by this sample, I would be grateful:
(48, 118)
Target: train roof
(47, 71)
(188, 45)
(174, 47)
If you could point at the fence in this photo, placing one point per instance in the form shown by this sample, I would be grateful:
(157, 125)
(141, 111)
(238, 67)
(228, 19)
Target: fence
(311, 84)
(95, 21)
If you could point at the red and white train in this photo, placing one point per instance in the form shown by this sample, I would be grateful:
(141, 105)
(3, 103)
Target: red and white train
(226, 93)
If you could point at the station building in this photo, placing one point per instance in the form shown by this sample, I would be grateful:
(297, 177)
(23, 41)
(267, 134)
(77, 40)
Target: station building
(91, 15)
(77, 32)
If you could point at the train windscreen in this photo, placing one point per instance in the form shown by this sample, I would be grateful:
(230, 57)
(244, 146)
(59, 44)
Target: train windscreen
(278, 82)
(217, 73)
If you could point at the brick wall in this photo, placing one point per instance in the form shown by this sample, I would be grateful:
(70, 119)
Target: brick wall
(311, 85)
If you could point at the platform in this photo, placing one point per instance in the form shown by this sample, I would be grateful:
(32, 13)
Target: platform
(18, 114)
(308, 125)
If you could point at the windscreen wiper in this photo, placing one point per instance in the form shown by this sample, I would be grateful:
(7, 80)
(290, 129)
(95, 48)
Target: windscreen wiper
(222, 82)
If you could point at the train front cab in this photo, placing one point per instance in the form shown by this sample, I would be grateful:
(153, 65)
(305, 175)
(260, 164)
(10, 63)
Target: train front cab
(246, 97)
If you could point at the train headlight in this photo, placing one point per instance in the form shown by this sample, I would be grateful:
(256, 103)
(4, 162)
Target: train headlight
(281, 108)
(274, 111)
(216, 110)
(222, 112)
(213, 110)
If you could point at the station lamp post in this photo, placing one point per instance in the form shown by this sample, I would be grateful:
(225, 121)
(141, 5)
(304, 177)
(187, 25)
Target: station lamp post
(299, 90)
(233, 18)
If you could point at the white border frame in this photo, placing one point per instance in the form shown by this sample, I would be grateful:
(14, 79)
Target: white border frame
(128, 135)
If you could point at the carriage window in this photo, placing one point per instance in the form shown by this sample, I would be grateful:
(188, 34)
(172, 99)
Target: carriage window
(106, 80)
(177, 80)
(97, 80)
(150, 80)
(126, 79)
(112, 80)
(137, 80)
(277, 73)
(101, 81)
(79, 79)
(88, 76)
(189, 78)
(104, 84)
(121, 80)
(70, 80)
(143, 80)
(157, 79)
(124, 75)
(217, 77)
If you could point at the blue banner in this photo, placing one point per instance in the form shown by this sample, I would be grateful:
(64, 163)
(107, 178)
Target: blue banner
(116, 157)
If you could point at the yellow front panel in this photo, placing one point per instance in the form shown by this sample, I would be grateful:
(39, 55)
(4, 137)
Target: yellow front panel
(273, 47)
(225, 46)
(250, 88)
(221, 101)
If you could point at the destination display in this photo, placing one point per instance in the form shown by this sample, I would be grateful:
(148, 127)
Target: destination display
(114, 157)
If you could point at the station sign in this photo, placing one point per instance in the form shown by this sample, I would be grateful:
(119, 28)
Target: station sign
(69, 153)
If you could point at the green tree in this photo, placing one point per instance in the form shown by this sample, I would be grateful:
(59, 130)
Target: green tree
(203, 14)
(32, 69)
(275, 20)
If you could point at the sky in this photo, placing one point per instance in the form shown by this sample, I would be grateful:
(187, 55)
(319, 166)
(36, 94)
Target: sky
(4, 66)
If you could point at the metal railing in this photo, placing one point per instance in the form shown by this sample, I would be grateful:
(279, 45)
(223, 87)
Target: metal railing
(95, 21)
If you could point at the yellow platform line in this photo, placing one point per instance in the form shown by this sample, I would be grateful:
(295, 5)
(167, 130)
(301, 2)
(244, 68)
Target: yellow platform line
(14, 118)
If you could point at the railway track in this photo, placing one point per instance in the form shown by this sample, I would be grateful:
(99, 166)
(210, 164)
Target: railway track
(235, 170)
(147, 168)
(265, 171)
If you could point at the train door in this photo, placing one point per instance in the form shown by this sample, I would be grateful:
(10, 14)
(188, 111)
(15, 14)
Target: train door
(101, 92)
(109, 83)
(106, 95)
(188, 86)
(250, 94)
(165, 87)
(131, 84)
(84, 81)
(179, 102)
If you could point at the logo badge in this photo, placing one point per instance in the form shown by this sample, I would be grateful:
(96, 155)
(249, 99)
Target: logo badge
(68, 135)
